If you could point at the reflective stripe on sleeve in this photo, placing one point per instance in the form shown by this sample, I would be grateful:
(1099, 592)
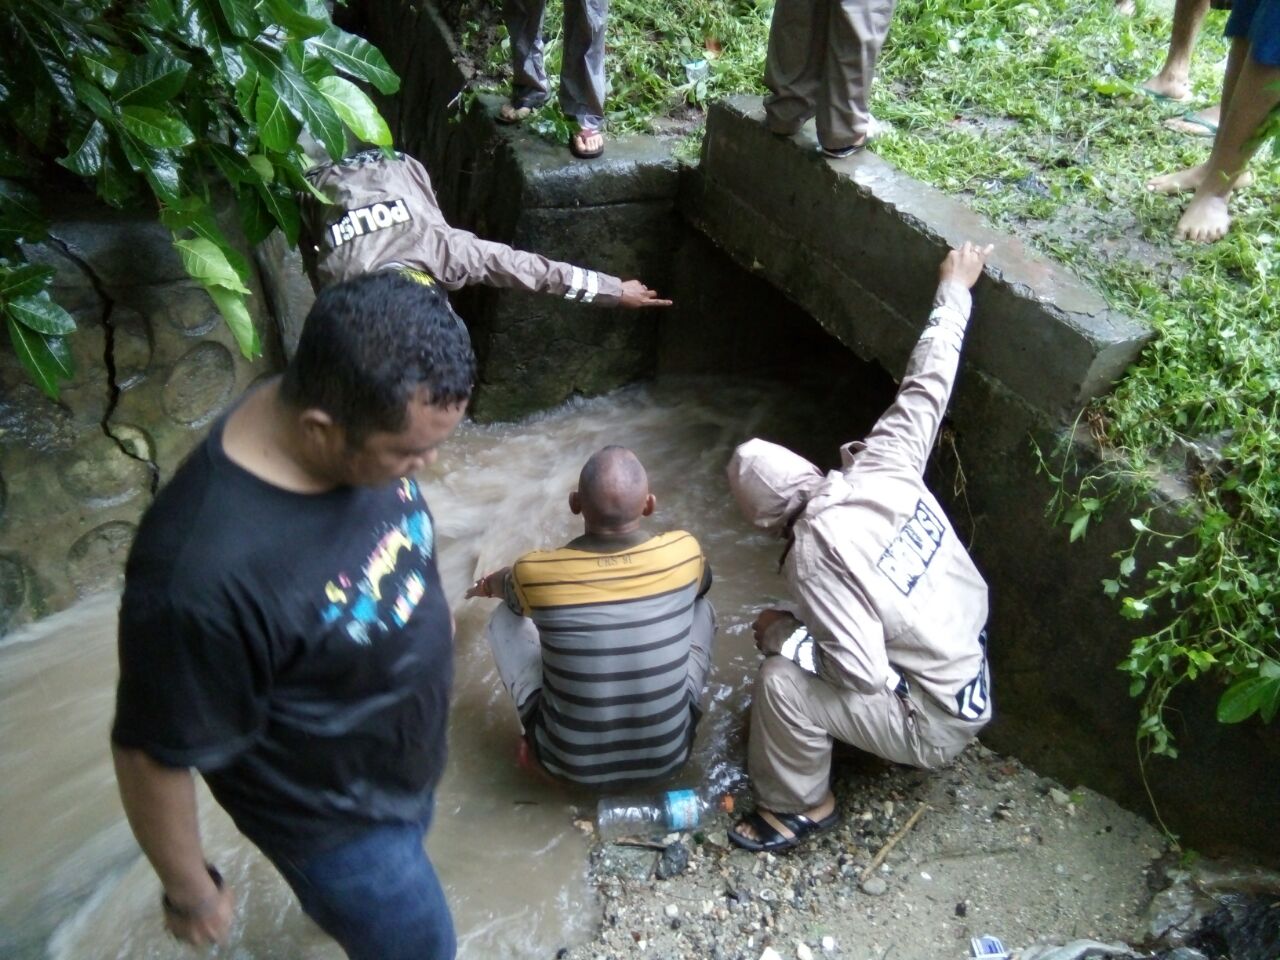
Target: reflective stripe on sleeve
(593, 286)
(575, 286)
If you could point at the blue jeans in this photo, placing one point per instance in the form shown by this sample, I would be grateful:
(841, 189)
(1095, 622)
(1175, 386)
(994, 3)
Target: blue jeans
(377, 895)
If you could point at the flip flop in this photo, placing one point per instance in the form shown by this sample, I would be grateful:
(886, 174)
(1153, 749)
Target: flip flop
(1185, 98)
(841, 153)
(581, 134)
(1192, 124)
(770, 840)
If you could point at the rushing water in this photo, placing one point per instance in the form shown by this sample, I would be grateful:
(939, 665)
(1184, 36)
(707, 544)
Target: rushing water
(72, 882)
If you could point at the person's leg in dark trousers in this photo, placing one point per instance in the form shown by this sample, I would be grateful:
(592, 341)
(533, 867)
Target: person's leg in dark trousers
(855, 35)
(524, 29)
(582, 76)
(378, 896)
(797, 47)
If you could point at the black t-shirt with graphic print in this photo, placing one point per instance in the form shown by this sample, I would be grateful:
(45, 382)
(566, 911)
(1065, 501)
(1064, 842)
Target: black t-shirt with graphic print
(295, 649)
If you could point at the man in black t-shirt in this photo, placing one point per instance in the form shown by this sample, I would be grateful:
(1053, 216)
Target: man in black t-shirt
(283, 631)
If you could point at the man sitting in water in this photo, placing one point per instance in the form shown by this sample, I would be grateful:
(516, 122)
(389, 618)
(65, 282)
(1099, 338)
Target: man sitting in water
(888, 653)
(604, 644)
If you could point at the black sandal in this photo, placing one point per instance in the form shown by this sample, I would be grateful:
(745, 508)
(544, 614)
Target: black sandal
(770, 840)
(583, 133)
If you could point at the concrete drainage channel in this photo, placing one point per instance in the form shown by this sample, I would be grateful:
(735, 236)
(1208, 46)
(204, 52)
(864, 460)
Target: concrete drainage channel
(765, 247)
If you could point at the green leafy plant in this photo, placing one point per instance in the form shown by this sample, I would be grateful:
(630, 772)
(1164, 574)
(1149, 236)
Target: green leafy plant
(162, 103)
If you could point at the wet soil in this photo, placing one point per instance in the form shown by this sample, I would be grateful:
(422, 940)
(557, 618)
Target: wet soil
(997, 851)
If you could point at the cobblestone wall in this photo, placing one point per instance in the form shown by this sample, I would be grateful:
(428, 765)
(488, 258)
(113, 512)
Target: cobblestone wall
(155, 364)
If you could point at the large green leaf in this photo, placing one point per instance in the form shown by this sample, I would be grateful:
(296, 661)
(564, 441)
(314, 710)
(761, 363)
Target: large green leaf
(255, 218)
(356, 110)
(241, 18)
(20, 216)
(232, 307)
(284, 209)
(99, 71)
(245, 88)
(41, 314)
(277, 127)
(159, 167)
(151, 80)
(155, 127)
(235, 168)
(205, 261)
(195, 214)
(355, 57)
(87, 151)
(302, 99)
(46, 359)
(92, 97)
(1243, 699)
(24, 280)
(302, 18)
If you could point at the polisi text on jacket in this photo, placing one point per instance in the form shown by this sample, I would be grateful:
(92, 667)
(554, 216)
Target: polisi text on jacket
(362, 220)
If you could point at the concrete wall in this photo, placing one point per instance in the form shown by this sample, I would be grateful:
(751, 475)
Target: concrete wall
(782, 238)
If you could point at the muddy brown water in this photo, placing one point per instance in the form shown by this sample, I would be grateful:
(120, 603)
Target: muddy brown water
(72, 882)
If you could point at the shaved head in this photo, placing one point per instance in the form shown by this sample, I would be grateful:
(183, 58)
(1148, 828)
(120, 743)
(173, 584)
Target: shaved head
(613, 489)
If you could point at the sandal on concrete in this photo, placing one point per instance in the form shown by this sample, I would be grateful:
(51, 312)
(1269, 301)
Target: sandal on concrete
(582, 134)
(770, 840)
(840, 153)
(518, 109)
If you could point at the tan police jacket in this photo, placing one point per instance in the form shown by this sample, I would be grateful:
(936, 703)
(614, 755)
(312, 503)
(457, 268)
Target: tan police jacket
(887, 589)
(388, 215)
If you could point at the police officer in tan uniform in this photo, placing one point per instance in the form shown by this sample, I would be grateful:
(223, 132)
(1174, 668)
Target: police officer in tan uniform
(887, 648)
(382, 213)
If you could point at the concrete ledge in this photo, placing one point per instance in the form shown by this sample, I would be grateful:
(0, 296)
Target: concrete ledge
(857, 243)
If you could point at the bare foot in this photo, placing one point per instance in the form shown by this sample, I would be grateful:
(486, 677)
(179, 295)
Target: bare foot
(1169, 87)
(1205, 220)
(820, 812)
(1185, 181)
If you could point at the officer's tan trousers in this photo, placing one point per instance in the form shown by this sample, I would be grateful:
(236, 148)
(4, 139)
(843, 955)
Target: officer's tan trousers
(795, 715)
(822, 57)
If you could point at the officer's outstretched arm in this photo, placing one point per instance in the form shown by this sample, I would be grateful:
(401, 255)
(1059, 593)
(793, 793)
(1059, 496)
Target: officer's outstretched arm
(908, 429)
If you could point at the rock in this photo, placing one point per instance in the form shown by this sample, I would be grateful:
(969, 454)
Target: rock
(770, 954)
(1060, 797)
(828, 944)
(874, 887)
(673, 862)
(802, 951)
(671, 910)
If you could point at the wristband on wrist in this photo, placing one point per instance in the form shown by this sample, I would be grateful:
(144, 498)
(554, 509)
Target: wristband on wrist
(201, 908)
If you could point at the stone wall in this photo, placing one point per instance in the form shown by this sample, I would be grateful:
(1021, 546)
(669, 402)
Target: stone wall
(155, 364)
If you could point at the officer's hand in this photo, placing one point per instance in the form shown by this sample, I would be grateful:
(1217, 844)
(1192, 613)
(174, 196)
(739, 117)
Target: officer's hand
(770, 641)
(964, 266)
(636, 295)
(206, 923)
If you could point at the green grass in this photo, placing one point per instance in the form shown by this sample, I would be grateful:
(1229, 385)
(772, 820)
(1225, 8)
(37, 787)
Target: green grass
(1030, 113)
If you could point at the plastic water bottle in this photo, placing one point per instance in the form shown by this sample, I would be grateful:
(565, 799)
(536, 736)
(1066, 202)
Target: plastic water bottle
(655, 815)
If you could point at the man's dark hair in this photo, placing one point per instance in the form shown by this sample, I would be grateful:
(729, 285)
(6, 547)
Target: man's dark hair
(367, 346)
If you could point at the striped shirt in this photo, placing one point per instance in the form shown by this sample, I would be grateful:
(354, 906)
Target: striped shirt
(614, 617)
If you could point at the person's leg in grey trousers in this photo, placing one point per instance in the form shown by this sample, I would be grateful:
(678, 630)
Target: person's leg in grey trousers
(855, 35)
(582, 78)
(792, 68)
(702, 632)
(524, 27)
(517, 652)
